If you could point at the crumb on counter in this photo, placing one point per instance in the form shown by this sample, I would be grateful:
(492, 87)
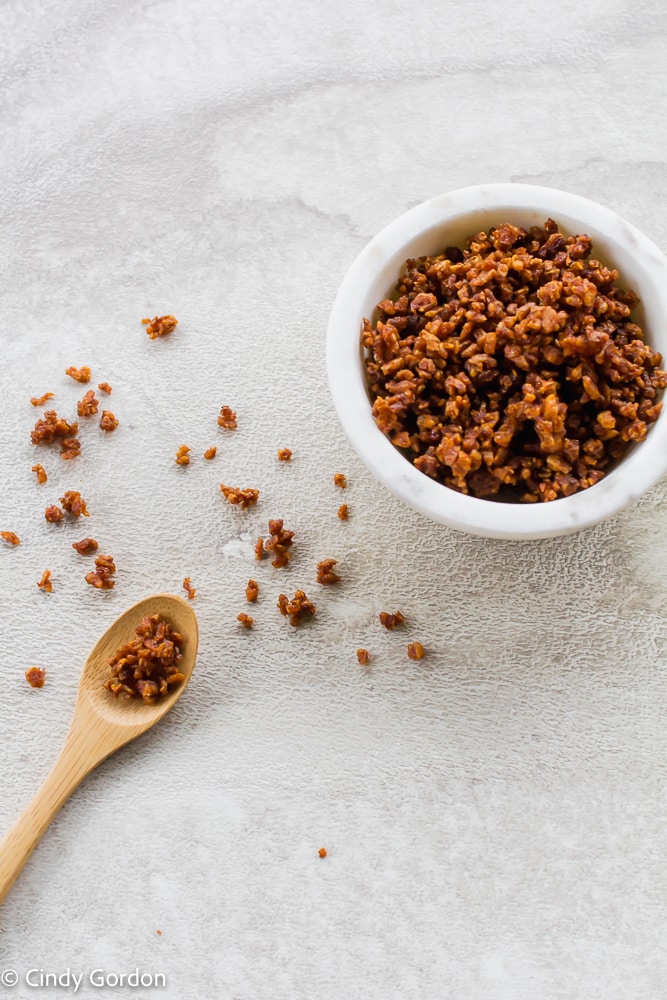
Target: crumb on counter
(11, 537)
(251, 591)
(79, 374)
(108, 421)
(189, 589)
(415, 651)
(246, 620)
(322, 853)
(35, 677)
(343, 512)
(325, 572)
(284, 455)
(40, 472)
(89, 405)
(147, 667)
(340, 480)
(70, 448)
(53, 514)
(160, 326)
(390, 621)
(210, 453)
(101, 577)
(105, 387)
(86, 546)
(74, 503)
(227, 418)
(50, 426)
(363, 656)
(40, 400)
(182, 456)
(278, 543)
(296, 609)
(45, 582)
(238, 497)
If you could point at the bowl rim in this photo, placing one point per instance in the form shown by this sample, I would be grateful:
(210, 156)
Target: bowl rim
(636, 473)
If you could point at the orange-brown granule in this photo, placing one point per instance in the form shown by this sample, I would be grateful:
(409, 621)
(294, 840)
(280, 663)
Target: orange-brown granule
(296, 609)
(251, 591)
(40, 400)
(86, 546)
(246, 620)
(182, 457)
(322, 853)
(53, 513)
(100, 577)
(279, 543)
(391, 621)
(284, 455)
(363, 656)
(340, 480)
(227, 418)
(45, 582)
(40, 472)
(238, 497)
(210, 453)
(35, 677)
(89, 405)
(108, 422)
(74, 503)
(79, 374)
(343, 512)
(11, 537)
(70, 448)
(189, 589)
(50, 426)
(325, 572)
(105, 387)
(259, 549)
(160, 326)
(147, 667)
(415, 651)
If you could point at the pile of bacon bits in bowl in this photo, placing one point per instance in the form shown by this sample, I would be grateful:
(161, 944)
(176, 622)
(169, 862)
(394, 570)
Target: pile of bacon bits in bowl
(512, 369)
(147, 667)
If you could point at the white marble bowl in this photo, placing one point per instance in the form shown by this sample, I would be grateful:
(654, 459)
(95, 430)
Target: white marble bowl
(428, 229)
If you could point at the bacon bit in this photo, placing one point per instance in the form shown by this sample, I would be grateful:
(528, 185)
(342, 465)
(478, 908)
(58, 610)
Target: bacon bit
(325, 572)
(51, 426)
(296, 609)
(100, 578)
(391, 621)
(227, 418)
(160, 326)
(415, 651)
(238, 497)
(87, 406)
(70, 448)
(182, 457)
(40, 473)
(10, 537)
(53, 514)
(343, 512)
(74, 503)
(79, 374)
(210, 453)
(45, 583)
(108, 422)
(35, 677)
(251, 591)
(322, 853)
(279, 542)
(340, 480)
(259, 549)
(363, 656)
(40, 400)
(246, 620)
(284, 455)
(189, 589)
(86, 546)
(159, 932)
(105, 387)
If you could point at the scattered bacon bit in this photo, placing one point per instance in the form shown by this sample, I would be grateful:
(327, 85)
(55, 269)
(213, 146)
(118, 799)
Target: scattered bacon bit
(246, 620)
(296, 609)
(279, 542)
(89, 405)
(326, 573)
(70, 448)
(79, 374)
(35, 677)
(391, 621)
(86, 546)
(415, 651)
(50, 426)
(10, 537)
(105, 387)
(259, 549)
(238, 497)
(45, 583)
(210, 453)
(100, 578)
(160, 326)
(40, 473)
(284, 455)
(40, 400)
(53, 514)
(340, 480)
(74, 503)
(322, 853)
(343, 512)
(251, 591)
(189, 589)
(108, 422)
(182, 457)
(159, 932)
(363, 656)
(227, 418)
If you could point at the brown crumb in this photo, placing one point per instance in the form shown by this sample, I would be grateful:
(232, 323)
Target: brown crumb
(246, 620)
(210, 453)
(35, 677)
(40, 472)
(325, 572)
(108, 422)
(147, 667)
(74, 503)
(86, 546)
(322, 853)
(189, 589)
(10, 537)
(89, 405)
(53, 514)
(363, 656)
(105, 387)
(50, 426)
(284, 455)
(415, 651)
(160, 326)
(279, 543)
(343, 512)
(182, 457)
(40, 400)
(79, 374)
(391, 621)
(259, 549)
(70, 448)
(296, 609)
(251, 591)
(340, 480)
(100, 578)
(159, 932)
(227, 418)
(45, 583)
(238, 497)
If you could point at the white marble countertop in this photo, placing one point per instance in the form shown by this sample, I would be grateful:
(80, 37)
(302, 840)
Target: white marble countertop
(494, 815)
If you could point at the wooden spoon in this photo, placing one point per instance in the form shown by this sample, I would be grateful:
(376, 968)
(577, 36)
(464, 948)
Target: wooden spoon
(100, 725)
